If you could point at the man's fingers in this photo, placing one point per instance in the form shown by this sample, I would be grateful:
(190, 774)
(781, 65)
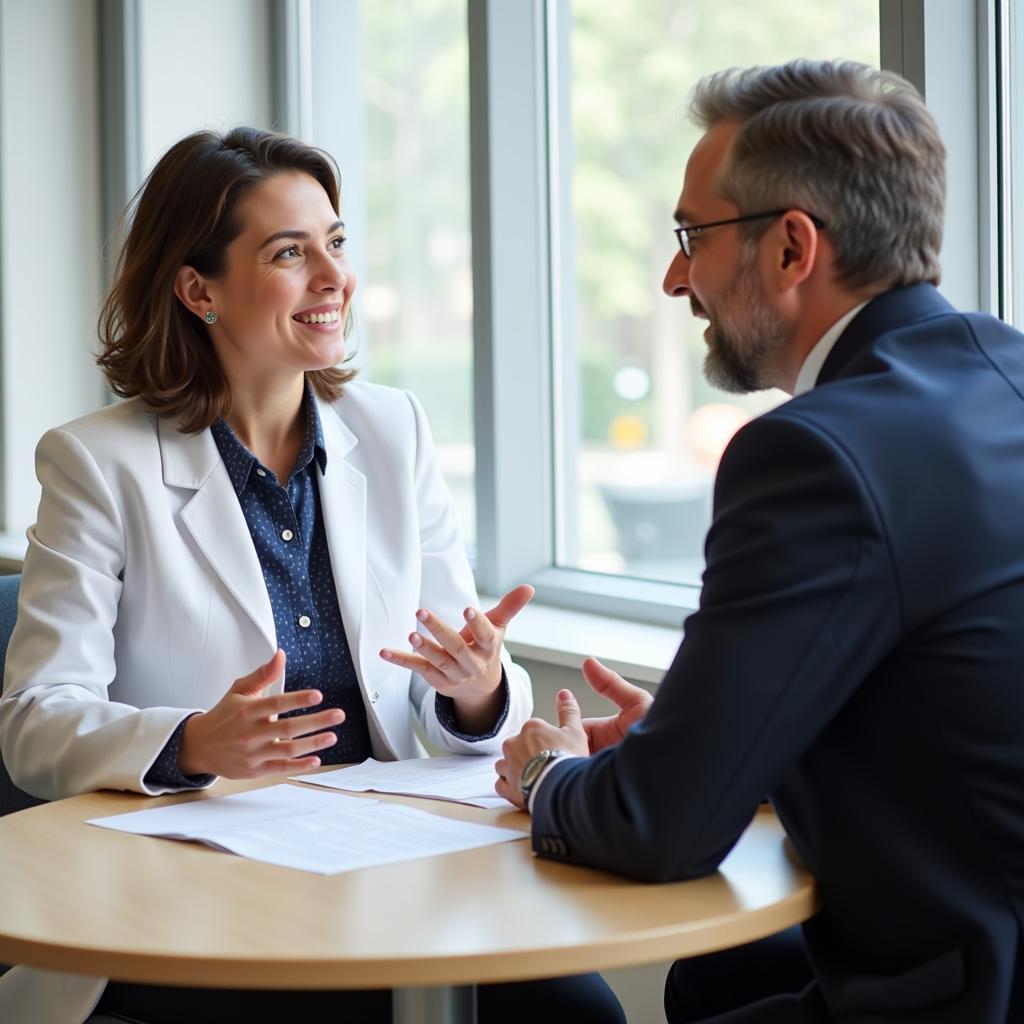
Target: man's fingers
(568, 710)
(257, 681)
(611, 685)
(511, 793)
(510, 605)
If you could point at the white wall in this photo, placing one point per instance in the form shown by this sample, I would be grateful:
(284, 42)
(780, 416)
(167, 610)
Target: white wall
(50, 236)
(203, 65)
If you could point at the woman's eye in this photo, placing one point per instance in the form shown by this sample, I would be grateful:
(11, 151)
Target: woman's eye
(288, 253)
(337, 243)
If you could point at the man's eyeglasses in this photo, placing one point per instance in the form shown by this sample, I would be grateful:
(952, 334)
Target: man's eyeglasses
(688, 234)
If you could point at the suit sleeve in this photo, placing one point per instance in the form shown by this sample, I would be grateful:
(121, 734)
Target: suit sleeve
(59, 732)
(799, 602)
(447, 588)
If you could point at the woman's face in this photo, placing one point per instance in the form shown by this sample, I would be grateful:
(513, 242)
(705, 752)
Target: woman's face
(282, 302)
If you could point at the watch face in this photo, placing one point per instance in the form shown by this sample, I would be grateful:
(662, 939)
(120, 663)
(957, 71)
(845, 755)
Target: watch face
(533, 768)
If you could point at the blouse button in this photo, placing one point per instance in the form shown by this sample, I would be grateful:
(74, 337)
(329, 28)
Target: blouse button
(305, 621)
(260, 471)
(287, 535)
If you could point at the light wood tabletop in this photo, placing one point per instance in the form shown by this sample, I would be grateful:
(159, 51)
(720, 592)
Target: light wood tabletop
(82, 899)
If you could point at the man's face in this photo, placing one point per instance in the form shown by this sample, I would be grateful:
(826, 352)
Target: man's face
(722, 277)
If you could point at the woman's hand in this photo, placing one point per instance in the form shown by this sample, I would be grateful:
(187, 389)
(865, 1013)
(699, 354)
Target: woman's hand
(465, 665)
(243, 738)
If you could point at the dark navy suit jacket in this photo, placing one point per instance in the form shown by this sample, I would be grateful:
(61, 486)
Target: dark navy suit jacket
(858, 654)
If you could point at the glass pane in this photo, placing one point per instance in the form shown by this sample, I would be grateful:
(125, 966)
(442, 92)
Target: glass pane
(403, 150)
(1013, 189)
(641, 451)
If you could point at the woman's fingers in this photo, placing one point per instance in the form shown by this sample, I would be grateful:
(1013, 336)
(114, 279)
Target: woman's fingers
(289, 750)
(481, 630)
(299, 764)
(282, 703)
(303, 725)
(511, 605)
(450, 642)
(434, 676)
(259, 679)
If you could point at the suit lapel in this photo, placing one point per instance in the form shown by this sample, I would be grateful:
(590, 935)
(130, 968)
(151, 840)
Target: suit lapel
(214, 519)
(343, 505)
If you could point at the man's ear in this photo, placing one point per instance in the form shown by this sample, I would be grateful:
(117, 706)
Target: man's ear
(191, 290)
(794, 250)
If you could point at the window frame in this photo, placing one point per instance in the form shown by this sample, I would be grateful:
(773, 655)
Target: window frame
(949, 49)
(941, 46)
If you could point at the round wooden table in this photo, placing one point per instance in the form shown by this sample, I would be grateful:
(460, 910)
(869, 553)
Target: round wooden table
(87, 900)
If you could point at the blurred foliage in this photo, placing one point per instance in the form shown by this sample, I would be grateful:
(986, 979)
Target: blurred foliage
(414, 80)
(633, 63)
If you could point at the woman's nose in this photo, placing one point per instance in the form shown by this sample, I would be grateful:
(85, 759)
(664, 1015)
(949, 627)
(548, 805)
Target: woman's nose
(330, 274)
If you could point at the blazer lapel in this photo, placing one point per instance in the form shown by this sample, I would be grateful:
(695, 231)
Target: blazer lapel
(343, 505)
(214, 519)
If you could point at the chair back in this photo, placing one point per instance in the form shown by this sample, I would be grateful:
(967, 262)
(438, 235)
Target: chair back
(11, 798)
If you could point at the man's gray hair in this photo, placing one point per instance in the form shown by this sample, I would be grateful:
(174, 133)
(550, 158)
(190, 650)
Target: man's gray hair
(853, 145)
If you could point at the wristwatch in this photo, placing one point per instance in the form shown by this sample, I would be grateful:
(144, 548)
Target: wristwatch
(532, 771)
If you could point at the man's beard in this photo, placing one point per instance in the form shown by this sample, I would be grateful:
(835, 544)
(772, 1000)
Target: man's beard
(745, 333)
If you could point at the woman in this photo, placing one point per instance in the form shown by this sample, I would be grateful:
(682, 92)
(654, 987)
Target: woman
(225, 566)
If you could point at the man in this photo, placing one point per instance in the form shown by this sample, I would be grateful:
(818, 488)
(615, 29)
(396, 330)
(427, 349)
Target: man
(858, 653)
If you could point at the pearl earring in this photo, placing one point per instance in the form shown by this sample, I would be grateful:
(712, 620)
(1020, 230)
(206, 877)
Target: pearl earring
(211, 317)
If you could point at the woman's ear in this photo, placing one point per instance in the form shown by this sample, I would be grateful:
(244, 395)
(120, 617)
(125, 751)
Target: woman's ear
(190, 287)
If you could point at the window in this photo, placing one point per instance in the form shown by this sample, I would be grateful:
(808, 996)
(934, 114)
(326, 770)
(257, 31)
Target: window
(391, 103)
(508, 173)
(641, 431)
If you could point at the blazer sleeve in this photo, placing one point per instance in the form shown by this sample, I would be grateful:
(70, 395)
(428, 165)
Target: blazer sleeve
(799, 601)
(447, 588)
(59, 733)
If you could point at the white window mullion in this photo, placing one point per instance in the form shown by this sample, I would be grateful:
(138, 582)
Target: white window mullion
(936, 45)
(511, 307)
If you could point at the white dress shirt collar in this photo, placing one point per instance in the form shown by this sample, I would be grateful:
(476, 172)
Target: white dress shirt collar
(808, 375)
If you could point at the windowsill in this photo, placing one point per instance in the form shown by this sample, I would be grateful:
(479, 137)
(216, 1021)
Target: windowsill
(565, 637)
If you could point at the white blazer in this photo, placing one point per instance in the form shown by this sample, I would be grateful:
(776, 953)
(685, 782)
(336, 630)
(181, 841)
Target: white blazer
(142, 600)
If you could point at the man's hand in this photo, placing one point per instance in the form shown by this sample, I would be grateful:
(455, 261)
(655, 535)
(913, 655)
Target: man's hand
(631, 701)
(538, 735)
(241, 737)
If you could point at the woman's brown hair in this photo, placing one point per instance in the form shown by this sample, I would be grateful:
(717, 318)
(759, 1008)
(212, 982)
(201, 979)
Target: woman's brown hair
(185, 214)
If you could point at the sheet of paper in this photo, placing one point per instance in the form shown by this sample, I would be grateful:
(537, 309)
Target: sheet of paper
(309, 829)
(463, 780)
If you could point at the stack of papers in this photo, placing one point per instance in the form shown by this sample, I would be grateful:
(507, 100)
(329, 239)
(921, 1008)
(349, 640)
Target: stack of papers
(463, 780)
(309, 829)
